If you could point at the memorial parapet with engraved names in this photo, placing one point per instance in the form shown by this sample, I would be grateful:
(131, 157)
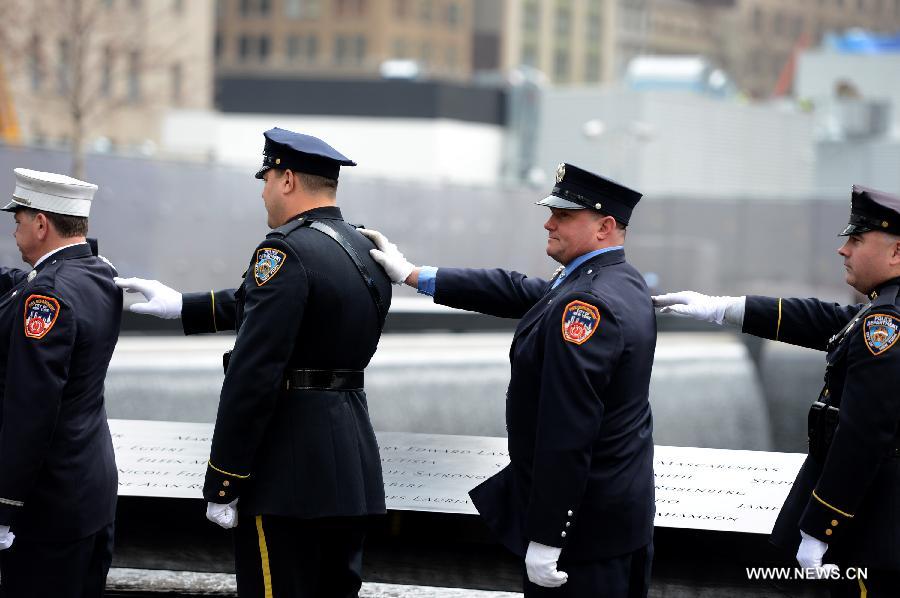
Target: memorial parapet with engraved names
(696, 488)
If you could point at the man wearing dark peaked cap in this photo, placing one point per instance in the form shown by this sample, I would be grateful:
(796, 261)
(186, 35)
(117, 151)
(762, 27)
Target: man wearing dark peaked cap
(294, 465)
(59, 323)
(842, 511)
(577, 500)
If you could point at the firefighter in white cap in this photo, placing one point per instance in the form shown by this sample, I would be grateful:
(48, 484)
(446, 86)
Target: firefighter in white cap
(59, 322)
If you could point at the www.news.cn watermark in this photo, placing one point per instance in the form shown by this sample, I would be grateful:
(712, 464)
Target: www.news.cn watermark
(794, 573)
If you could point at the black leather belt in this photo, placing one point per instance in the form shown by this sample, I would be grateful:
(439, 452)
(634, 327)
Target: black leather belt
(323, 380)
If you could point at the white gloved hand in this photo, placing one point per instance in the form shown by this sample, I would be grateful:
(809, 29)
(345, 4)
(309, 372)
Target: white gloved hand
(6, 537)
(223, 515)
(706, 308)
(397, 267)
(810, 556)
(540, 564)
(162, 301)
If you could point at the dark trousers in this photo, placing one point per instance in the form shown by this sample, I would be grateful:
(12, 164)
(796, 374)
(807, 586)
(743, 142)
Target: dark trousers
(879, 584)
(626, 576)
(70, 569)
(297, 558)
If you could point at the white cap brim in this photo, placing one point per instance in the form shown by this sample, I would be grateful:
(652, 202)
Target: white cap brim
(552, 201)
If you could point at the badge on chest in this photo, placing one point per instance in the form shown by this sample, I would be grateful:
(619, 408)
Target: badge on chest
(579, 322)
(40, 315)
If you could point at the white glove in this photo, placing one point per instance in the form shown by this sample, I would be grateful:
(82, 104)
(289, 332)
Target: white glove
(223, 515)
(162, 301)
(389, 257)
(706, 308)
(6, 537)
(540, 564)
(810, 556)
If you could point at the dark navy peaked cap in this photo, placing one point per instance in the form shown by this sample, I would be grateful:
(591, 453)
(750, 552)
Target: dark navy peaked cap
(578, 189)
(301, 153)
(871, 209)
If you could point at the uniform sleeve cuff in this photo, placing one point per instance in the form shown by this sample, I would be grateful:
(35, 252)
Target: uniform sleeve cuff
(427, 280)
(824, 521)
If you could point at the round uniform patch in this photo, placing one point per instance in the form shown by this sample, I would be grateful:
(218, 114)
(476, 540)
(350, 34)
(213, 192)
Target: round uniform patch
(881, 331)
(579, 322)
(40, 315)
(268, 262)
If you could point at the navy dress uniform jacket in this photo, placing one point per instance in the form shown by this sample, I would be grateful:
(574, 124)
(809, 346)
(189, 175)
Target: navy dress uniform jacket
(577, 408)
(302, 305)
(58, 478)
(852, 499)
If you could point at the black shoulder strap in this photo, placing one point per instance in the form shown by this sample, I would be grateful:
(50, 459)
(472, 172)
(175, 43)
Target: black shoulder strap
(286, 229)
(354, 257)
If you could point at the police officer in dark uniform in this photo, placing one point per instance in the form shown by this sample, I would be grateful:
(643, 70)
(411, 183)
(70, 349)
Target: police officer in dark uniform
(294, 452)
(843, 506)
(59, 324)
(577, 500)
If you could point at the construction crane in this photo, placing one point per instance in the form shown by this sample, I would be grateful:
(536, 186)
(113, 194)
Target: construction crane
(9, 121)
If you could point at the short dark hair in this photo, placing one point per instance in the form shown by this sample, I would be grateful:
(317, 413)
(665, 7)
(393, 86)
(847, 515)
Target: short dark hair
(314, 183)
(67, 226)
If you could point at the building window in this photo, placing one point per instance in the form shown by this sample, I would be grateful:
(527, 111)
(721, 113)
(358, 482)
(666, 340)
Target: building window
(218, 46)
(175, 74)
(531, 16)
(106, 72)
(563, 20)
(136, 4)
(529, 55)
(244, 48)
(264, 46)
(450, 58)
(178, 6)
(401, 9)
(64, 68)
(426, 53)
(301, 9)
(561, 65)
(349, 8)
(594, 26)
(302, 48)
(778, 23)
(426, 10)
(757, 20)
(401, 48)
(34, 63)
(453, 14)
(592, 68)
(350, 50)
(134, 76)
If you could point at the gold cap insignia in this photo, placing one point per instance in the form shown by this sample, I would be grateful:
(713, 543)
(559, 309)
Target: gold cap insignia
(560, 173)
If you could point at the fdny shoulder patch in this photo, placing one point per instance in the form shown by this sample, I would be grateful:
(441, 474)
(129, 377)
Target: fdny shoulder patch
(579, 321)
(268, 263)
(40, 315)
(881, 331)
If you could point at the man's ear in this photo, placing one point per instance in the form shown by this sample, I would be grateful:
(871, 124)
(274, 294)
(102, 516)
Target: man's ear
(895, 252)
(606, 228)
(289, 181)
(43, 225)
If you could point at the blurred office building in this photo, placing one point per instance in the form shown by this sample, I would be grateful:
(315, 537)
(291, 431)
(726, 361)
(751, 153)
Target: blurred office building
(343, 38)
(102, 73)
(856, 108)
